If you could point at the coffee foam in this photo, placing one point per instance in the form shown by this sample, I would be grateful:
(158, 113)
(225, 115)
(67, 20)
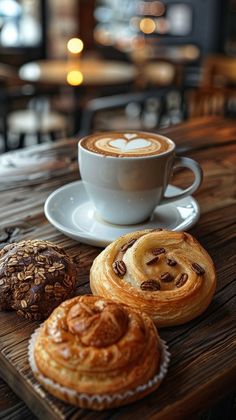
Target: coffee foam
(126, 144)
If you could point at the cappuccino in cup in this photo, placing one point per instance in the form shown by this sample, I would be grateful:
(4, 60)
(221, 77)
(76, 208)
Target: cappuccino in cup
(125, 174)
(127, 144)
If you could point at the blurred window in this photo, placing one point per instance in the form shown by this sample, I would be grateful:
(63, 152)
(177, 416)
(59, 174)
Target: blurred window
(121, 22)
(180, 18)
(20, 23)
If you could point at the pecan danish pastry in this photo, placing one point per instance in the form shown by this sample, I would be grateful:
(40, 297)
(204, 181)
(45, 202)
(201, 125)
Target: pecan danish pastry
(35, 277)
(96, 353)
(166, 274)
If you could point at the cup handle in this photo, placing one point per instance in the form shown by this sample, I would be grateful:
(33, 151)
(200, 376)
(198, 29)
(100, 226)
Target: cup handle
(184, 162)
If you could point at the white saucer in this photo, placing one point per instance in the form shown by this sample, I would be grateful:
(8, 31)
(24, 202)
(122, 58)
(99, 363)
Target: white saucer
(70, 211)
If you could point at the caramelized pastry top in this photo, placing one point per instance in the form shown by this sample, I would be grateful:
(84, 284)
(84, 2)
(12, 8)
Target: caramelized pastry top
(94, 345)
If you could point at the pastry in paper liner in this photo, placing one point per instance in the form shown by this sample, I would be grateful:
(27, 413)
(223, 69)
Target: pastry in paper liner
(96, 401)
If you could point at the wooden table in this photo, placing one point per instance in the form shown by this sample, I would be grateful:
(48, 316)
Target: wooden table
(203, 363)
(81, 76)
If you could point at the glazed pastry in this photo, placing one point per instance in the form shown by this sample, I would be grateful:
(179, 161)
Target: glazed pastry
(96, 347)
(35, 277)
(166, 274)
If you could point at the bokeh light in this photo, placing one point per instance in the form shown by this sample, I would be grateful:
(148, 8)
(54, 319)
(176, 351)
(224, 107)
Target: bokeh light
(191, 52)
(147, 25)
(162, 25)
(74, 78)
(75, 45)
(157, 8)
(151, 8)
(103, 36)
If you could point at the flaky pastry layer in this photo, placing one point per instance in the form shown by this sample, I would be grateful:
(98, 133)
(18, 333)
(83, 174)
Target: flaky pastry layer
(166, 274)
(96, 346)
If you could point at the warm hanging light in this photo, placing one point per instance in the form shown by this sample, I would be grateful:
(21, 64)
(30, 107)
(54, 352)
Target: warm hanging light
(75, 45)
(74, 78)
(147, 25)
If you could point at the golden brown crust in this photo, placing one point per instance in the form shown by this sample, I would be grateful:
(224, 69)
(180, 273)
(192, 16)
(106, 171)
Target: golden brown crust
(166, 274)
(96, 346)
(35, 277)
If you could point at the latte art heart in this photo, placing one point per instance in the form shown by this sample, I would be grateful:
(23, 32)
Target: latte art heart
(127, 144)
(137, 143)
(130, 136)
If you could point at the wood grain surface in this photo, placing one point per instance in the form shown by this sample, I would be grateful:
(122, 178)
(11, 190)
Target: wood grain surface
(203, 363)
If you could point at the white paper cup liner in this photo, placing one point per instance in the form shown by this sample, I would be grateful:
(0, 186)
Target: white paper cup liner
(98, 401)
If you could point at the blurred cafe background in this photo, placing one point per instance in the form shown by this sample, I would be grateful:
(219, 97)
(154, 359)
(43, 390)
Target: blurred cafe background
(72, 67)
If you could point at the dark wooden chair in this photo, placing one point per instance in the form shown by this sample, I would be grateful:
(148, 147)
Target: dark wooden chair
(139, 110)
(216, 94)
(24, 110)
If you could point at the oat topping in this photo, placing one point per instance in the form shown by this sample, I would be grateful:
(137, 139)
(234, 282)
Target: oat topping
(34, 276)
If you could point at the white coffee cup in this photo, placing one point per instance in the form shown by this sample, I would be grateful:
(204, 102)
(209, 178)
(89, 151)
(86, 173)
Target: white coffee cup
(126, 189)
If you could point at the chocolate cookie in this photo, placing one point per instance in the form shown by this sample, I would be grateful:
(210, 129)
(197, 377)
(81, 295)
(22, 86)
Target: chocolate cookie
(35, 277)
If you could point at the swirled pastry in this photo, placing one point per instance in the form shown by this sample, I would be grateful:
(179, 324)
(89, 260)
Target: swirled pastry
(98, 347)
(166, 274)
